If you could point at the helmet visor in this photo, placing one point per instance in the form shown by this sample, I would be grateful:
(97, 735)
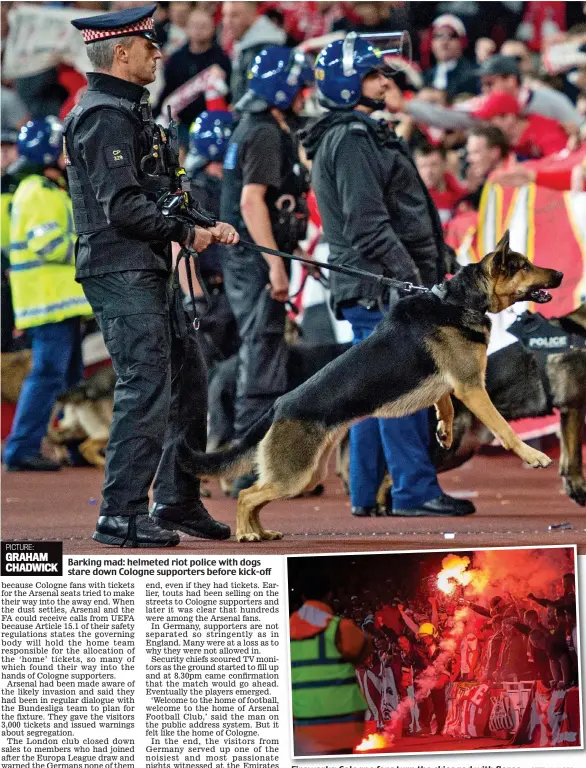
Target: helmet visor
(392, 43)
(394, 49)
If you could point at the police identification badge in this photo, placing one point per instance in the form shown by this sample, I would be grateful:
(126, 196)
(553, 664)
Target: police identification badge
(117, 156)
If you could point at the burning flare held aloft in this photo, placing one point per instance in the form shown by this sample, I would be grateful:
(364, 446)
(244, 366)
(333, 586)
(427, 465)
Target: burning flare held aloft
(455, 573)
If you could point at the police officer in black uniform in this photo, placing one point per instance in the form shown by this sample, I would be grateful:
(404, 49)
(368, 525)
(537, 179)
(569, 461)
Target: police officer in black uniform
(263, 197)
(119, 165)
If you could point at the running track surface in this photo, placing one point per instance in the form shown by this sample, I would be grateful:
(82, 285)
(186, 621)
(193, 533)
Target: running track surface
(515, 506)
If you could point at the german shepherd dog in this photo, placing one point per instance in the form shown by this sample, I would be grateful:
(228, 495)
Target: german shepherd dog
(424, 349)
(519, 390)
(16, 366)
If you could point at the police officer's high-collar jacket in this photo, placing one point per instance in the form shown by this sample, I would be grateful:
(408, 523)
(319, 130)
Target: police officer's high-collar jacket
(376, 211)
(119, 225)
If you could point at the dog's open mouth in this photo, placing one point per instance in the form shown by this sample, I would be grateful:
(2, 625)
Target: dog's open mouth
(539, 295)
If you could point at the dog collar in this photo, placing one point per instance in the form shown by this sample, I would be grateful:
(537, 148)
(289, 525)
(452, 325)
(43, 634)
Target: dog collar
(440, 291)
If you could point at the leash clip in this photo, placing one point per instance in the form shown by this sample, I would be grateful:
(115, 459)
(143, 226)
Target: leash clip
(196, 324)
(411, 288)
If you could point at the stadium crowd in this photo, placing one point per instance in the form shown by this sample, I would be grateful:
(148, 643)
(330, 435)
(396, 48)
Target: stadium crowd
(507, 49)
(492, 92)
(421, 640)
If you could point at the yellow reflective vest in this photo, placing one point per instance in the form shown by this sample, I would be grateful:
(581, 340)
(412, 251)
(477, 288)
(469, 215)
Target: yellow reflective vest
(324, 686)
(42, 264)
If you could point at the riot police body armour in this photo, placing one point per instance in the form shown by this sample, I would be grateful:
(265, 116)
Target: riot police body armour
(287, 206)
(88, 214)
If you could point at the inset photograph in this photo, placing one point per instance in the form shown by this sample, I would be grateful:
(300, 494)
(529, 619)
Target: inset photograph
(426, 652)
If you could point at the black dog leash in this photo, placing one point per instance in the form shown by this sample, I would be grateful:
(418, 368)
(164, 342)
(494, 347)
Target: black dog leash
(190, 256)
(390, 282)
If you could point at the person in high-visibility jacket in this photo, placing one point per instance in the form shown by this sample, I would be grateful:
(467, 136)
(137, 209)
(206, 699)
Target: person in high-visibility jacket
(328, 706)
(47, 301)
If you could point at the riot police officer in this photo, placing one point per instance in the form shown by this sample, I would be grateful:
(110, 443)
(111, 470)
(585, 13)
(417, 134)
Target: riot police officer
(376, 215)
(263, 196)
(116, 172)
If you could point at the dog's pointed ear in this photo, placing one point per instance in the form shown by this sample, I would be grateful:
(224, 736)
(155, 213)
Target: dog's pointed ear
(503, 243)
(501, 252)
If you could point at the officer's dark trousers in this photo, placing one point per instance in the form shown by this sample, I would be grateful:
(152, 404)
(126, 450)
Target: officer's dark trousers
(262, 357)
(160, 400)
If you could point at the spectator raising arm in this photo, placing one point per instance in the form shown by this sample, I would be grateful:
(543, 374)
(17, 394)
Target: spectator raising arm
(408, 620)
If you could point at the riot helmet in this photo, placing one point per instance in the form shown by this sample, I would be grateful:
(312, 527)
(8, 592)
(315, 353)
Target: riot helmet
(40, 142)
(275, 78)
(342, 65)
(209, 136)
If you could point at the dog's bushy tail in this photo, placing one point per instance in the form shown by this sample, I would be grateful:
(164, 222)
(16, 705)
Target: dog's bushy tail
(238, 457)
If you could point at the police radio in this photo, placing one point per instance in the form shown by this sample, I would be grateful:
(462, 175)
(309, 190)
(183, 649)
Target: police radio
(163, 161)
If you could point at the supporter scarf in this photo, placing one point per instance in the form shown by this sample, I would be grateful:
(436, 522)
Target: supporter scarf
(210, 81)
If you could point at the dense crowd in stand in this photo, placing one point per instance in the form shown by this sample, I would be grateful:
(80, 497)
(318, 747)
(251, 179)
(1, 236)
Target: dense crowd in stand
(494, 91)
(423, 639)
(535, 101)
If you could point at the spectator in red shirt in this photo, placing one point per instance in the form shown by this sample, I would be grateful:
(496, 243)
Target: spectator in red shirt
(554, 172)
(531, 136)
(444, 188)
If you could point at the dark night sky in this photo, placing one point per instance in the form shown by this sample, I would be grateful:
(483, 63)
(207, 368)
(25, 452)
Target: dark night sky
(353, 572)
